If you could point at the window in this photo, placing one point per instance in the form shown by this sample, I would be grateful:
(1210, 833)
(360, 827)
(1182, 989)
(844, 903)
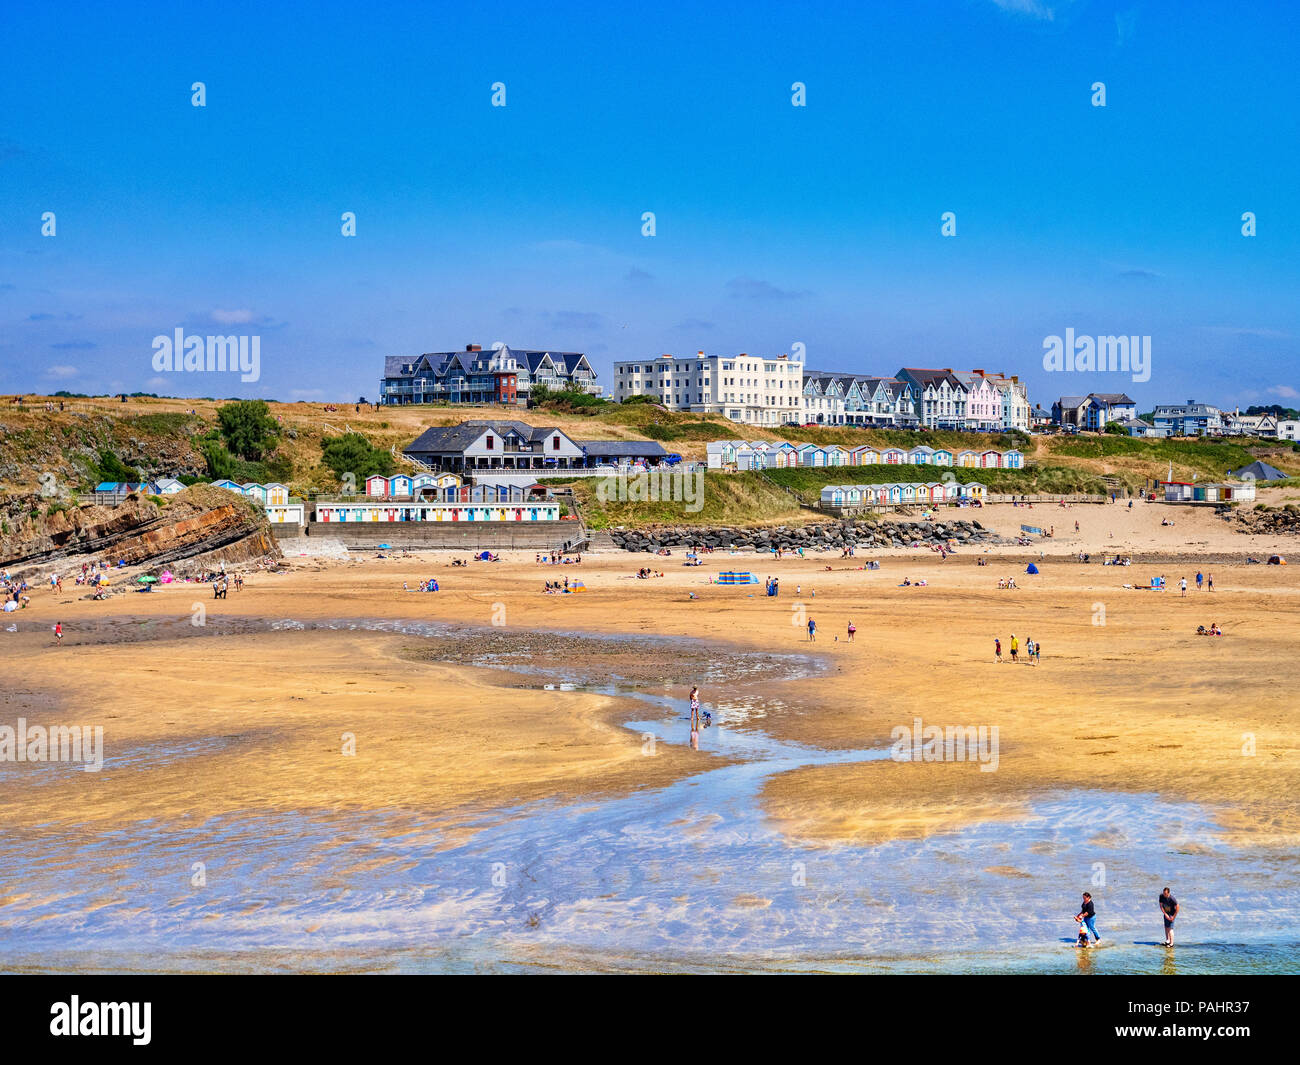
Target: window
(555, 443)
(491, 442)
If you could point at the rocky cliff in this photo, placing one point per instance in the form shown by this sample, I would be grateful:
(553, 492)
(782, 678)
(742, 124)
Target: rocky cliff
(190, 530)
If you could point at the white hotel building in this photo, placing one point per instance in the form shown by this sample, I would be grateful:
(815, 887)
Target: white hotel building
(745, 388)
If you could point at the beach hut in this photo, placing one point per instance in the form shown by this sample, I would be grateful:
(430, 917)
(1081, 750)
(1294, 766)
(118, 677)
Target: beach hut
(1177, 491)
(934, 491)
(255, 492)
(787, 455)
(893, 493)
(951, 491)
(811, 455)
(920, 456)
(973, 490)
(716, 454)
(836, 455)
(893, 456)
(377, 486)
(169, 486)
(1238, 492)
(1013, 460)
(834, 495)
(967, 458)
(1206, 492)
(743, 456)
(399, 485)
(941, 457)
(990, 460)
(864, 455)
(276, 494)
(228, 485)
(447, 480)
(907, 492)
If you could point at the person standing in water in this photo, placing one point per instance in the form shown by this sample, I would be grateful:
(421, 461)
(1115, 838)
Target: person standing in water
(1168, 910)
(1087, 916)
(695, 709)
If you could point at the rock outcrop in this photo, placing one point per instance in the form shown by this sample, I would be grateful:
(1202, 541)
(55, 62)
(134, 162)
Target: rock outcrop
(825, 536)
(193, 529)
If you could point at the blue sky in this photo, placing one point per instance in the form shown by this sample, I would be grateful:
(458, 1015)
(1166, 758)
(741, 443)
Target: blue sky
(775, 224)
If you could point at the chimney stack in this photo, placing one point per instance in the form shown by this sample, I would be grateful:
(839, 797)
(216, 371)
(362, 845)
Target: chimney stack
(473, 347)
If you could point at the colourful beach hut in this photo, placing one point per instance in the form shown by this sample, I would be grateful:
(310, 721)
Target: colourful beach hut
(973, 490)
(990, 460)
(399, 485)
(811, 455)
(276, 494)
(255, 492)
(934, 491)
(894, 493)
(1013, 459)
(920, 456)
(865, 455)
(836, 455)
(377, 486)
(951, 491)
(967, 458)
(893, 456)
(229, 485)
(941, 457)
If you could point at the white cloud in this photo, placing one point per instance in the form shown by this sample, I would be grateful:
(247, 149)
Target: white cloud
(1284, 391)
(62, 371)
(1030, 8)
(236, 317)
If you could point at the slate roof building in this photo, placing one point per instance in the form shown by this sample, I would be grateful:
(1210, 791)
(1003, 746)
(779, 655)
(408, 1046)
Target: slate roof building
(502, 375)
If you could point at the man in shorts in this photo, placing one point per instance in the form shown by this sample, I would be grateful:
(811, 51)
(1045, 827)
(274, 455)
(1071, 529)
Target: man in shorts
(1168, 910)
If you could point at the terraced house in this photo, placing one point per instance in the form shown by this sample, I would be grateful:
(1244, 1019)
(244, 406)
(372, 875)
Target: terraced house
(502, 375)
(939, 396)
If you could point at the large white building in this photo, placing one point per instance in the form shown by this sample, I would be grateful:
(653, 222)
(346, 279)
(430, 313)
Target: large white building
(757, 390)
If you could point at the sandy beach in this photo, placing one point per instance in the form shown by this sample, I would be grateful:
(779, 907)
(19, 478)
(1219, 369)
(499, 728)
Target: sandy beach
(455, 702)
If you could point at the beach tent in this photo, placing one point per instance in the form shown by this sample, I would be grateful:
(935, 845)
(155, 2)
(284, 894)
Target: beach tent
(485, 556)
(731, 577)
(1031, 568)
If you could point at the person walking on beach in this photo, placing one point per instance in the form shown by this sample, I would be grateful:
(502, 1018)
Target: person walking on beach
(1209, 582)
(1087, 916)
(58, 632)
(1200, 578)
(1182, 587)
(1015, 648)
(812, 630)
(997, 649)
(1168, 910)
(852, 629)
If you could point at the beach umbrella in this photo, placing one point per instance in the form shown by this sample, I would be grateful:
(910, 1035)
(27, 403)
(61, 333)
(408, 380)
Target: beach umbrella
(384, 547)
(147, 580)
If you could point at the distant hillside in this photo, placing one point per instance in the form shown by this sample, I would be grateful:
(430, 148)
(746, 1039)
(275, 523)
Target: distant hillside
(89, 440)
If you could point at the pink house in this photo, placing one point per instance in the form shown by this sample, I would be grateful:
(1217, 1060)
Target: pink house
(983, 401)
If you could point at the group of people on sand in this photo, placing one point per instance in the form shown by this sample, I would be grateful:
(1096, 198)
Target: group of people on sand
(645, 573)
(1086, 918)
(557, 559)
(1007, 582)
(909, 583)
(1033, 650)
(557, 587)
(1213, 630)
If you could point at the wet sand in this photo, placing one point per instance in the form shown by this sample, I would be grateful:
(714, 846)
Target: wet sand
(1126, 698)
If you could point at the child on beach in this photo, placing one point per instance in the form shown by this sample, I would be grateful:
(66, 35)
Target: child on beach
(852, 629)
(695, 710)
(812, 630)
(997, 649)
(58, 632)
